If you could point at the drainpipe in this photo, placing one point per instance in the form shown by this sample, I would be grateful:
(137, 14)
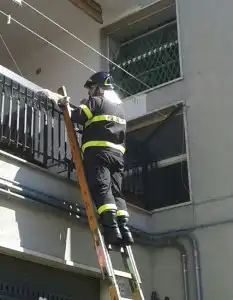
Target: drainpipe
(189, 235)
(197, 265)
(171, 243)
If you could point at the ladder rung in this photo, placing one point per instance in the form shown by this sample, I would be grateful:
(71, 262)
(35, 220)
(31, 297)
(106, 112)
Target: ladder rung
(122, 274)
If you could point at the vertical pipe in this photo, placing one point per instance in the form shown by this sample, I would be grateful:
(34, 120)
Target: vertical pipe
(196, 254)
(184, 263)
(171, 242)
(197, 265)
(185, 275)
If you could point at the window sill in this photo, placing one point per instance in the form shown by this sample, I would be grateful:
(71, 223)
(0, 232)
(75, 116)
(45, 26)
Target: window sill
(157, 210)
(154, 88)
(152, 212)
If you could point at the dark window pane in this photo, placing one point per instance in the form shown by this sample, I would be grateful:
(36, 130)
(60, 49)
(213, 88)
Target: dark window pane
(153, 143)
(167, 186)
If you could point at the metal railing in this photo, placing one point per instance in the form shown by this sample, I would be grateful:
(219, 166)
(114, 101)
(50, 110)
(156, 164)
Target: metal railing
(32, 128)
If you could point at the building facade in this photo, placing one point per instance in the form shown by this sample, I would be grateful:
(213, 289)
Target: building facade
(178, 177)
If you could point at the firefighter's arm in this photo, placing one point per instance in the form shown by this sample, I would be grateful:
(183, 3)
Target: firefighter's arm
(83, 112)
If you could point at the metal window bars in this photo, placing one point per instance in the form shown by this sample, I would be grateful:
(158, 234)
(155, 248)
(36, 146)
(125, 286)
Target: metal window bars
(152, 57)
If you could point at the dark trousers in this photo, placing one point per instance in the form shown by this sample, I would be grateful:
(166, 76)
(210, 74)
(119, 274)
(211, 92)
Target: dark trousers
(104, 173)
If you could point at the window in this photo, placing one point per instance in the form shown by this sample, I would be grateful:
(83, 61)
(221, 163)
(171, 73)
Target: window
(147, 48)
(156, 169)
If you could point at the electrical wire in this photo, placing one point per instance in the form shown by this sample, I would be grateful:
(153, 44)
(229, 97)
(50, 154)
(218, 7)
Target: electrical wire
(59, 49)
(56, 47)
(84, 43)
(50, 43)
(12, 57)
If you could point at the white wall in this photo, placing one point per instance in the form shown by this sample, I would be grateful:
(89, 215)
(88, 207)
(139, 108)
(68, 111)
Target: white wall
(39, 232)
(57, 68)
(27, 225)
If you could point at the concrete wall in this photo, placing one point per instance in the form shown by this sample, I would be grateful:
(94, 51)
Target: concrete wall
(207, 88)
(206, 43)
(47, 235)
(57, 68)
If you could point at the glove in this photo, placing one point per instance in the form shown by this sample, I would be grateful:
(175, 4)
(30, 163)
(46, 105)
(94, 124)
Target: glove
(70, 109)
(56, 98)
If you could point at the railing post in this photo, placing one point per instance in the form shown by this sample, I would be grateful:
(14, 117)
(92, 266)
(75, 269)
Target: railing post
(45, 135)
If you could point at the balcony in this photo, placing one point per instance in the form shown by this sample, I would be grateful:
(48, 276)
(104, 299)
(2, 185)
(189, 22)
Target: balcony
(31, 127)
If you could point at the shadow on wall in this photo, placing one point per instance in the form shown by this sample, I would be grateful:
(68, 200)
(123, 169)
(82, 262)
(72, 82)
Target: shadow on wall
(40, 227)
(26, 280)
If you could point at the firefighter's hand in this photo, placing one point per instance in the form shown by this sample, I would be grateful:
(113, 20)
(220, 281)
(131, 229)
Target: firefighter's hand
(56, 98)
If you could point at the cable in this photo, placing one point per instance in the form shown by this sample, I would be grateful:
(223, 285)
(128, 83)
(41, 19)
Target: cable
(84, 43)
(51, 44)
(9, 52)
(56, 47)
(59, 49)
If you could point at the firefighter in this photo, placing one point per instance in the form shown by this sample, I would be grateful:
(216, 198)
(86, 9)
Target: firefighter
(103, 123)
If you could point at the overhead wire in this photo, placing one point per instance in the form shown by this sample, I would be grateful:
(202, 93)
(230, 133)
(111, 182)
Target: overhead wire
(55, 46)
(91, 48)
(84, 43)
(11, 55)
(47, 41)
(63, 51)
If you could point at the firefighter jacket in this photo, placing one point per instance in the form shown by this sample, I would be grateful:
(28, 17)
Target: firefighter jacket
(103, 122)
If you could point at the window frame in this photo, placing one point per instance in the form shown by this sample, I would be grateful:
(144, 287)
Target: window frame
(116, 26)
(171, 160)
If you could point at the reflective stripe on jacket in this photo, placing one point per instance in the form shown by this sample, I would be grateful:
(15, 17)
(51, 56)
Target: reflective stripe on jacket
(103, 122)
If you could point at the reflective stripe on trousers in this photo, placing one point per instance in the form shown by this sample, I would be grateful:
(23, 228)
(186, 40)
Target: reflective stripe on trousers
(102, 144)
(106, 207)
(111, 206)
(121, 213)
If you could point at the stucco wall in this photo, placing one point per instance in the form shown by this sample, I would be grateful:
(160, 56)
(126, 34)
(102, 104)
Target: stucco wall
(206, 43)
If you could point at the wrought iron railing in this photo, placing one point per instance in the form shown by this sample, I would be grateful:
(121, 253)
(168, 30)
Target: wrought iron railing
(32, 127)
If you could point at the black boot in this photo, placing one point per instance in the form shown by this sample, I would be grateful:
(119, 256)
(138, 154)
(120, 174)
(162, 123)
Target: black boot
(125, 231)
(111, 232)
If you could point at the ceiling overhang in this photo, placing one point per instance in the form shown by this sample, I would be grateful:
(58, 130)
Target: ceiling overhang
(91, 8)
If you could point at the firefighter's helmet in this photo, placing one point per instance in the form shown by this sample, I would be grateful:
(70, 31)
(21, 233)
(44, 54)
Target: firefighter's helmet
(101, 79)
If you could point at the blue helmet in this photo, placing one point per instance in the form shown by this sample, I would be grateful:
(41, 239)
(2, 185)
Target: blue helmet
(101, 79)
